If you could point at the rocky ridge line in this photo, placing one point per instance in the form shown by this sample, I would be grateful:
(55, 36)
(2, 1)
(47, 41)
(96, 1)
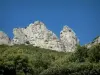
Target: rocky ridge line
(38, 35)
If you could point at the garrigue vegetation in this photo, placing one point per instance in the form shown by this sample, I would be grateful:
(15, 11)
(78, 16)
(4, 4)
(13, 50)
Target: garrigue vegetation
(29, 60)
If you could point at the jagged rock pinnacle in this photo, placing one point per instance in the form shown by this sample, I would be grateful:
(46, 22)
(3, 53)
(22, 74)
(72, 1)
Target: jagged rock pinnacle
(69, 39)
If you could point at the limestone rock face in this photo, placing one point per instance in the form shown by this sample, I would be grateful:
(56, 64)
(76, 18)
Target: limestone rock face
(19, 36)
(95, 41)
(4, 38)
(69, 39)
(38, 35)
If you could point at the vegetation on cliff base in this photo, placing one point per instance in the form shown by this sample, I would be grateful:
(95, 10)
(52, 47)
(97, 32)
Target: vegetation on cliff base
(29, 60)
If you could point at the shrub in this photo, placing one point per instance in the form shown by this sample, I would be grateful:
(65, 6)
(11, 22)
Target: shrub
(74, 69)
(29, 60)
(81, 53)
(94, 53)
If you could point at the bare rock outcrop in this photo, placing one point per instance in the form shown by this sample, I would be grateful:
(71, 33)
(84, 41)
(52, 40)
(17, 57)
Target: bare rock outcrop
(4, 39)
(38, 35)
(69, 39)
(94, 42)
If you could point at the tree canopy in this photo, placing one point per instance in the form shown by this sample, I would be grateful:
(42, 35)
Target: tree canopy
(29, 60)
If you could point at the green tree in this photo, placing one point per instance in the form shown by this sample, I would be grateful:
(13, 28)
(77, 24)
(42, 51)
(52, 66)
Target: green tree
(81, 53)
(94, 53)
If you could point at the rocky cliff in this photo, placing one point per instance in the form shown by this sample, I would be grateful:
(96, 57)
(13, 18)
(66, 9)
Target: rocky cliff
(4, 39)
(38, 35)
(69, 39)
(95, 41)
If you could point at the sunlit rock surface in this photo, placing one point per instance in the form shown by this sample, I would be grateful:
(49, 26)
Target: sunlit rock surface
(38, 35)
(95, 41)
(4, 39)
(69, 39)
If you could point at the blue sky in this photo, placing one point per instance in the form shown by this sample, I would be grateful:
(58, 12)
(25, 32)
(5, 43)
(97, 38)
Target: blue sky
(83, 16)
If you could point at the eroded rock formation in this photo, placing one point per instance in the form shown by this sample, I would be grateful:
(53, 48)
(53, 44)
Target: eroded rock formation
(69, 39)
(38, 35)
(4, 39)
(94, 42)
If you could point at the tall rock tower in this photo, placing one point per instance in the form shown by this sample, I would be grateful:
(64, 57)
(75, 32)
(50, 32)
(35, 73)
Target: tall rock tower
(69, 39)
